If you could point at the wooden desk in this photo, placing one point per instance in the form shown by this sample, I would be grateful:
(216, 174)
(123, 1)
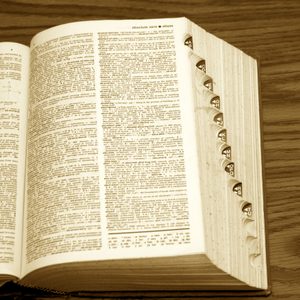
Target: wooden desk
(268, 30)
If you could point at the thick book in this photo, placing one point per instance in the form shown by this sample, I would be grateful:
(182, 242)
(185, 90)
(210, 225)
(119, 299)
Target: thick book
(131, 161)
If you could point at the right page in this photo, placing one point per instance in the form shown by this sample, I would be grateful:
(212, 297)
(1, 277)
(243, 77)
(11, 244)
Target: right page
(112, 165)
(227, 109)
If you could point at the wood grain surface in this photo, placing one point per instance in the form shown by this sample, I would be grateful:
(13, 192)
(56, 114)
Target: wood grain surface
(268, 30)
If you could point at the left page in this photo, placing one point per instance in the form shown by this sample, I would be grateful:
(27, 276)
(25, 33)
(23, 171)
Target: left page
(112, 159)
(14, 81)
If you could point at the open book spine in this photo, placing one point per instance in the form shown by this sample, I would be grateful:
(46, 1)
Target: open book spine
(228, 130)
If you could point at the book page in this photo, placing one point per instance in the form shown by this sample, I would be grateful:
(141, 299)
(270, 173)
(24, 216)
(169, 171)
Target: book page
(112, 159)
(14, 76)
